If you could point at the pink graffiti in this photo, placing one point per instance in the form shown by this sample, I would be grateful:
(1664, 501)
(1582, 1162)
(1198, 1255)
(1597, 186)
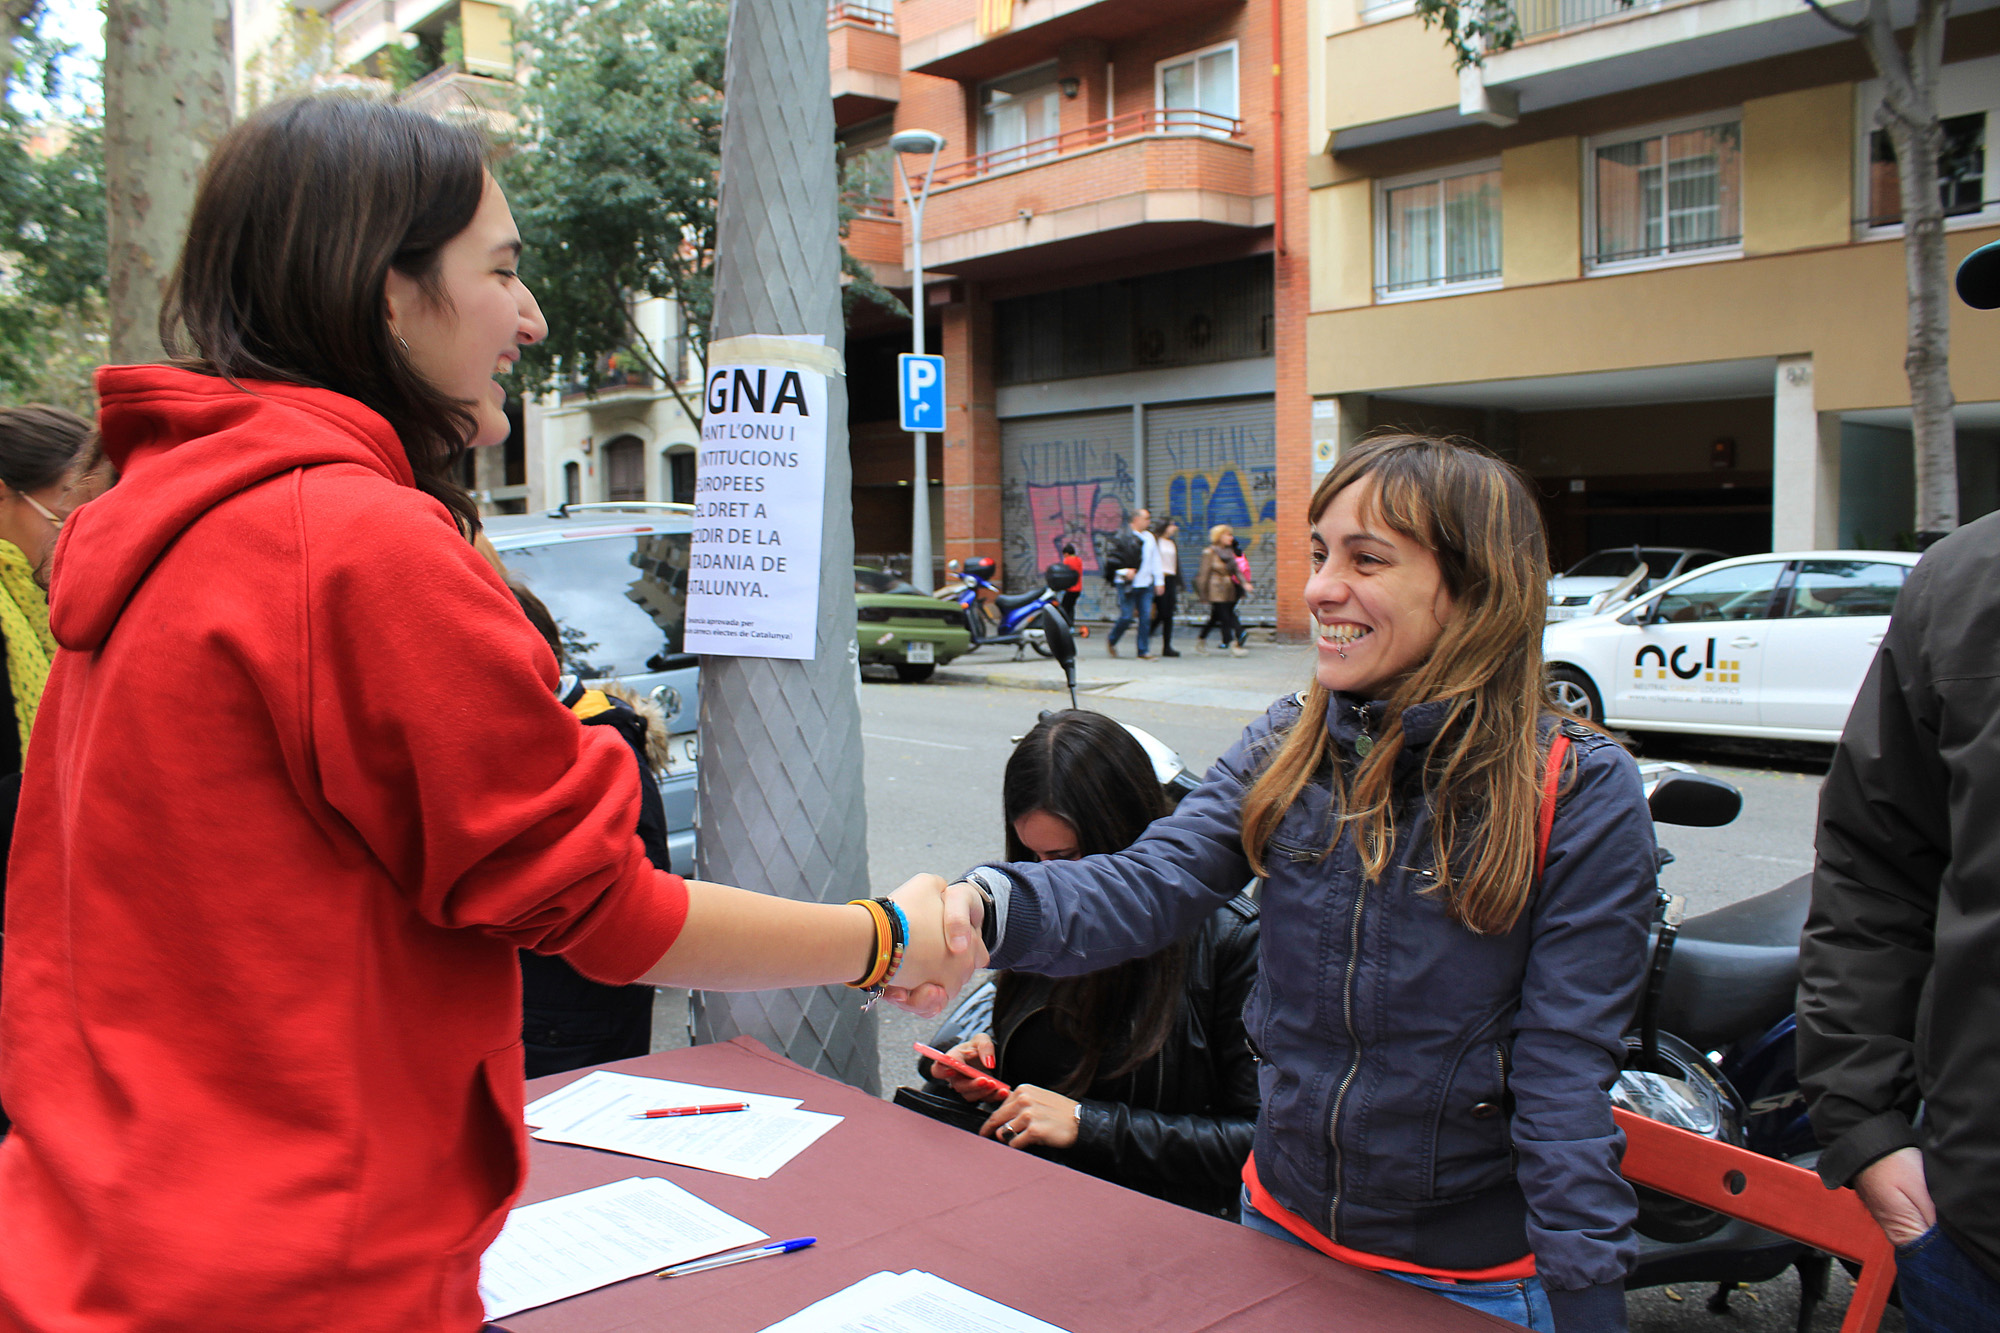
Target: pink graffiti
(1071, 511)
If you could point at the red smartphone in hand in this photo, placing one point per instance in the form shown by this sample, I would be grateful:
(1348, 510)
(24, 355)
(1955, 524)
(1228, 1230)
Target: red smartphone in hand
(958, 1066)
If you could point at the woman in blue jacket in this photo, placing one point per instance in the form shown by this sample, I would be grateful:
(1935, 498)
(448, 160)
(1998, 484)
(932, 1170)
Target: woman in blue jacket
(1441, 1004)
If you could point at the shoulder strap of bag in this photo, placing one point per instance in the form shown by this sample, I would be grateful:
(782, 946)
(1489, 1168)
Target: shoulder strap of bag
(1546, 820)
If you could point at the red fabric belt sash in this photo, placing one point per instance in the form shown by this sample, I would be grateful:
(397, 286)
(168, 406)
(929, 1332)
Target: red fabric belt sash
(1523, 1267)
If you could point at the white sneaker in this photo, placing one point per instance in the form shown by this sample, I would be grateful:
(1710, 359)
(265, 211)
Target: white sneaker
(1238, 650)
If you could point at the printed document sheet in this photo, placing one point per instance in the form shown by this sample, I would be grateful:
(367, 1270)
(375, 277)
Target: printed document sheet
(576, 1243)
(912, 1302)
(599, 1110)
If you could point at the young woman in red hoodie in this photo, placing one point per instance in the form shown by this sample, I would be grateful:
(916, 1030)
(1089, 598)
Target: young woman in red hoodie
(301, 786)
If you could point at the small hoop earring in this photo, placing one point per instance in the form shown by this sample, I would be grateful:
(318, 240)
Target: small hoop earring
(402, 340)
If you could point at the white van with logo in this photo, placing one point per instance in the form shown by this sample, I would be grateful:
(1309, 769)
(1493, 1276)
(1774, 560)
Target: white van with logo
(1769, 646)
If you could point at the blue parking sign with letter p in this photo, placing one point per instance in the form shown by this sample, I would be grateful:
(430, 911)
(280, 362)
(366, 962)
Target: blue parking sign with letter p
(920, 390)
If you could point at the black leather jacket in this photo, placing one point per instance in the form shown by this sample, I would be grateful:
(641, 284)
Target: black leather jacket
(1180, 1125)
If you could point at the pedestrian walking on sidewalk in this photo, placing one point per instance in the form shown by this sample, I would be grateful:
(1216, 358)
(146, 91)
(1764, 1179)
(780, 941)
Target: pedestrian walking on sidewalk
(301, 769)
(1170, 586)
(1248, 583)
(1218, 583)
(1075, 563)
(1457, 886)
(1138, 582)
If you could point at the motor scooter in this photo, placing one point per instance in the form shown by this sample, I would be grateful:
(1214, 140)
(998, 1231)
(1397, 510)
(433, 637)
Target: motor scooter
(1714, 1051)
(1017, 618)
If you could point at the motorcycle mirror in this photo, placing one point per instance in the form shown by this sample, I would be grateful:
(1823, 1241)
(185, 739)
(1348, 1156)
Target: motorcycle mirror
(1625, 588)
(1062, 646)
(1694, 800)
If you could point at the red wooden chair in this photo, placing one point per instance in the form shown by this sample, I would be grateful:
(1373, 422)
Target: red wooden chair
(1768, 1193)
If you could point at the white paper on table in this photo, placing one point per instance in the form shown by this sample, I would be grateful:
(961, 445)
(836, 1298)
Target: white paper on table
(578, 1242)
(912, 1302)
(597, 1091)
(752, 1144)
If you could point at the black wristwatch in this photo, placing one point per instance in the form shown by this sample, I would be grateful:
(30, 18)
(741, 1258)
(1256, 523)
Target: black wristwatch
(988, 883)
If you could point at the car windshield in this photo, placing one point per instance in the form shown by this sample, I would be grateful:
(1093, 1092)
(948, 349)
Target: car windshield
(620, 602)
(1617, 564)
(879, 581)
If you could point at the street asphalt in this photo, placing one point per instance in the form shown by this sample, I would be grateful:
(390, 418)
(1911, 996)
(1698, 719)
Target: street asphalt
(935, 753)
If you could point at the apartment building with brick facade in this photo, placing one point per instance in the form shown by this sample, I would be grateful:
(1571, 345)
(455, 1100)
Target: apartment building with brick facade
(1653, 254)
(1101, 258)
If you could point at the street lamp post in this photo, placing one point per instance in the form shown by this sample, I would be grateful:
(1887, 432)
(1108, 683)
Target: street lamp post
(918, 141)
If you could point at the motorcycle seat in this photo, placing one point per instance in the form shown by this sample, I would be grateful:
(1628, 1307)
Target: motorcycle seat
(1010, 601)
(1773, 919)
(1735, 971)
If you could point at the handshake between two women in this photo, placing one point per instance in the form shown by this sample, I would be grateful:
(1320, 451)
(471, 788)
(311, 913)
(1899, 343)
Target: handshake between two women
(737, 940)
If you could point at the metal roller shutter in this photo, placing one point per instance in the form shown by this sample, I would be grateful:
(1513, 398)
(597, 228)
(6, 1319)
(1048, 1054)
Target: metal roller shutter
(1066, 478)
(1209, 463)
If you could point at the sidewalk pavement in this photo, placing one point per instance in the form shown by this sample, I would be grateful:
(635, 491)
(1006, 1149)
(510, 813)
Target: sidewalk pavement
(1212, 680)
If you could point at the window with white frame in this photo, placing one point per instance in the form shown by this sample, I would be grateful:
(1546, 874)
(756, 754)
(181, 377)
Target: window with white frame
(1018, 117)
(1968, 103)
(1196, 93)
(1438, 232)
(1667, 193)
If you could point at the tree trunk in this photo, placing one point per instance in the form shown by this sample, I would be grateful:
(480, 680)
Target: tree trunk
(1909, 117)
(780, 803)
(169, 89)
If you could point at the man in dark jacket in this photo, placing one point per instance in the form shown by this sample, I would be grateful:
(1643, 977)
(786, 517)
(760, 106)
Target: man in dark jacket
(1899, 1010)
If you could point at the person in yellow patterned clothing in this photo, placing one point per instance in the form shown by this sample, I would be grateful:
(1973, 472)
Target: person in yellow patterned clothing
(42, 459)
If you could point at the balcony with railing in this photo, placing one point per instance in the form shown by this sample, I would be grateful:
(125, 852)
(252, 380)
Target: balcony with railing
(617, 373)
(947, 38)
(449, 91)
(866, 59)
(1147, 180)
(360, 28)
(875, 237)
(1571, 50)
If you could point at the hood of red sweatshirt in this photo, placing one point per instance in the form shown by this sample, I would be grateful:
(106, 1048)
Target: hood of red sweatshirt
(182, 444)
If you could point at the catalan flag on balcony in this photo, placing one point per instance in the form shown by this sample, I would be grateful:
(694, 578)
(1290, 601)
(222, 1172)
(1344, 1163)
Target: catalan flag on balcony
(995, 16)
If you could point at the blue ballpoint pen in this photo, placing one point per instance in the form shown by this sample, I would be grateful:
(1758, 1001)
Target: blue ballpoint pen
(740, 1257)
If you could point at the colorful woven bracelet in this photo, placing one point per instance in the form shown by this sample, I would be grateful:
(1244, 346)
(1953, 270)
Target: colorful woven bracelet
(884, 949)
(901, 938)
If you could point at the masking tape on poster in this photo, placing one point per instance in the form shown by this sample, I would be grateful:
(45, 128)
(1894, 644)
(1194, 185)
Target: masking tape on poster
(780, 353)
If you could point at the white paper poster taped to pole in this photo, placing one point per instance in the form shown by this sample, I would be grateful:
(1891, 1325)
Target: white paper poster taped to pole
(760, 503)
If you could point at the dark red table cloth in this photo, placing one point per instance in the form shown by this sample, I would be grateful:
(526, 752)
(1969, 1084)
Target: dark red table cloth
(889, 1189)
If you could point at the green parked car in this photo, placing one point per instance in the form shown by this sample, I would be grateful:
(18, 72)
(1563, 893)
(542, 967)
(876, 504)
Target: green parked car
(900, 627)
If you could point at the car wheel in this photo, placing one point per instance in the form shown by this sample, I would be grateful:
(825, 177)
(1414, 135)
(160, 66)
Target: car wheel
(1571, 691)
(910, 674)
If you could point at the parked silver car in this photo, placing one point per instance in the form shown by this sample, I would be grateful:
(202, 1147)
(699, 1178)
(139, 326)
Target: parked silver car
(1587, 586)
(615, 579)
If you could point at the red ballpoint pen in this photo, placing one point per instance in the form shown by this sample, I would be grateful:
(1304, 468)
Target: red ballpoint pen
(668, 1112)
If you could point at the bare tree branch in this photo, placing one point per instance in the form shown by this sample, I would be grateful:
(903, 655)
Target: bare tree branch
(1851, 28)
(670, 376)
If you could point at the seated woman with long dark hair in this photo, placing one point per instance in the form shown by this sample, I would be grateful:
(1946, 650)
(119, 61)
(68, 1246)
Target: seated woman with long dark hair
(1139, 1074)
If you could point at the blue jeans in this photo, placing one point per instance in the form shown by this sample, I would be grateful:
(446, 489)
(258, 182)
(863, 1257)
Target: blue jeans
(1135, 604)
(1519, 1301)
(1943, 1291)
